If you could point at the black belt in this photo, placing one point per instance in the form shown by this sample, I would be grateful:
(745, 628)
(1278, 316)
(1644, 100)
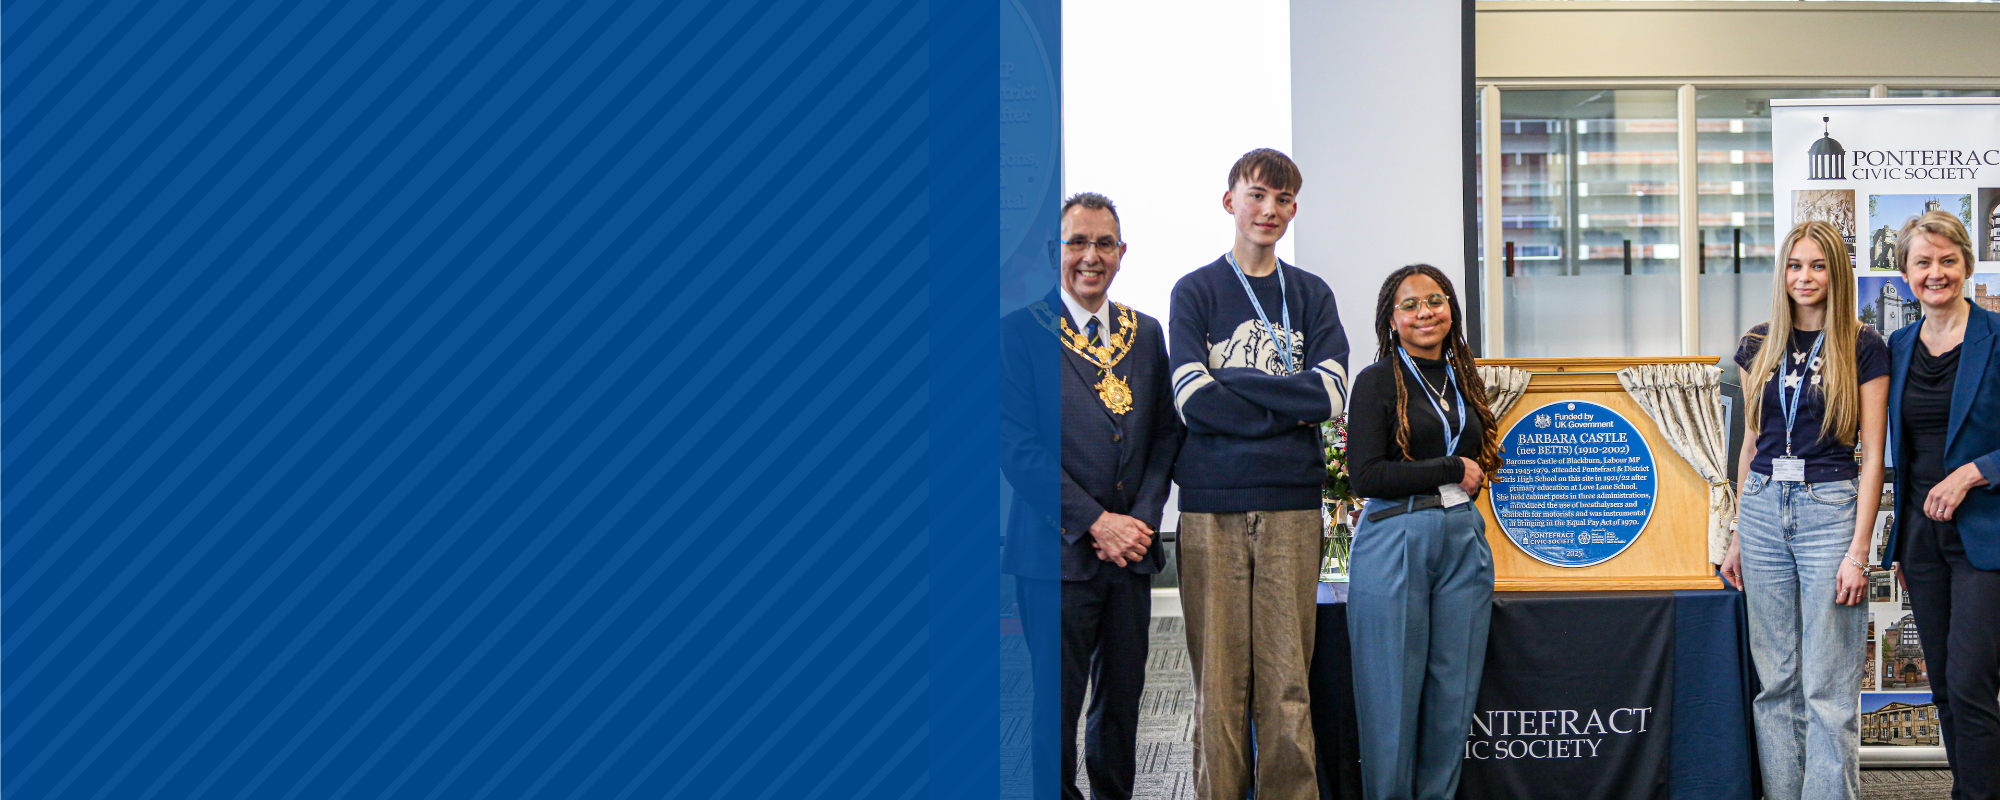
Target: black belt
(1417, 502)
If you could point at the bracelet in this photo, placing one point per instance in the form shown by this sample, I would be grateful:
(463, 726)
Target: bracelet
(1850, 560)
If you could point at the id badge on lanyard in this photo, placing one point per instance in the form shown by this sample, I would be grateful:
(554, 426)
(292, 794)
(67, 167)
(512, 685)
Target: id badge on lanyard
(1788, 468)
(1451, 494)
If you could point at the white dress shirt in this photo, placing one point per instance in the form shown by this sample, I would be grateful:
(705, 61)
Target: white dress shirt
(1081, 318)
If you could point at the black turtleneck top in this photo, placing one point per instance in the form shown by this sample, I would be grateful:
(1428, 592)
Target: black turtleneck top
(1927, 413)
(1376, 466)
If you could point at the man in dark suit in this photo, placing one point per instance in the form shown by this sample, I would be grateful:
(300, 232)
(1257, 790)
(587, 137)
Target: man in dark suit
(1119, 436)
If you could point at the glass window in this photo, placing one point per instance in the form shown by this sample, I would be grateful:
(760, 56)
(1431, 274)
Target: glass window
(1735, 206)
(1590, 183)
(1590, 215)
(1893, 92)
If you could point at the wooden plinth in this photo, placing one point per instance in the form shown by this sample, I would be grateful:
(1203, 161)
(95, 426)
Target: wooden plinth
(1672, 551)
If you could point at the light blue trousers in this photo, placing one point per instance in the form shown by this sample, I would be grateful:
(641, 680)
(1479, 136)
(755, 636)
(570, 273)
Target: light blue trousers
(1793, 538)
(1419, 601)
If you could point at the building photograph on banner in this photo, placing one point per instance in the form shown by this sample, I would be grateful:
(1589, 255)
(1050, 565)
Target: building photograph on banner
(1899, 719)
(1988, 241)
(1986, 289)
(1886, 302)
(1894, 659)
(1888, 212)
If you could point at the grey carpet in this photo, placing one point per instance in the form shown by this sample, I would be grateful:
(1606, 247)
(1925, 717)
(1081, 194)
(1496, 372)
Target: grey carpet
(1166, 722)
(1906, 784)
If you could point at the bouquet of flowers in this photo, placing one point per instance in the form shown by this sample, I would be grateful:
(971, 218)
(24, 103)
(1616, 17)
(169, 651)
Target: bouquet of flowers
(1337, 500)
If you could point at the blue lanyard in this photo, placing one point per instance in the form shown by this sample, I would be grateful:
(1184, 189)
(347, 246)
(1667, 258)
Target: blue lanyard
(1451, 379)
(1284, 312)
(1791, 406)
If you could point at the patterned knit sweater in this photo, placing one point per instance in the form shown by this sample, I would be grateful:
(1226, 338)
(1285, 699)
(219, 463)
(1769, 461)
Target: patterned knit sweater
(1253, 436)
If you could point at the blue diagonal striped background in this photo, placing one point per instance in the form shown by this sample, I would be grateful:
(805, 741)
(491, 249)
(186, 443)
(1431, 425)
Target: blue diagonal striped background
(467, 400)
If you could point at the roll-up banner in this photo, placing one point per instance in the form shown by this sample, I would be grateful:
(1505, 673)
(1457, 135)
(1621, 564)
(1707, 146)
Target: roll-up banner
(1868, 167)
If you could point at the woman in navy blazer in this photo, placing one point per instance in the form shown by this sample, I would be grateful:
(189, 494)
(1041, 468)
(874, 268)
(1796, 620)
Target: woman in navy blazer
(1944, 424)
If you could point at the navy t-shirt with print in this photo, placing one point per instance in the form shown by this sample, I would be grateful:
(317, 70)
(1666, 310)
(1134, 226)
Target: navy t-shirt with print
(1826, 459)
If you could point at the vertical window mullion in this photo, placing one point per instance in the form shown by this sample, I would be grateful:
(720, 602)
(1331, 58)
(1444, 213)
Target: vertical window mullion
(1690, 227)
(1493, 234)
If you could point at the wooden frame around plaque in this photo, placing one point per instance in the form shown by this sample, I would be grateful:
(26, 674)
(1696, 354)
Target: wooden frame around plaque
(1671, 552)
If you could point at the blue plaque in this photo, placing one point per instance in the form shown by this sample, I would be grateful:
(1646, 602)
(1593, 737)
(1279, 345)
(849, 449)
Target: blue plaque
(1578, 484)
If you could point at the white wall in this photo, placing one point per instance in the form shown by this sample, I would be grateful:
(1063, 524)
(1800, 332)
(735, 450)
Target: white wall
(1159, 99)
(1376, 114)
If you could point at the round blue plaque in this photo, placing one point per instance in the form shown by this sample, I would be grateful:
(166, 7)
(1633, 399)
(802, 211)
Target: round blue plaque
(1578, 484)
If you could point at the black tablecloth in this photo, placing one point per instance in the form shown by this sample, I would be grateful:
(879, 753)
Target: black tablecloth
(1710, 749)
(1332, 687)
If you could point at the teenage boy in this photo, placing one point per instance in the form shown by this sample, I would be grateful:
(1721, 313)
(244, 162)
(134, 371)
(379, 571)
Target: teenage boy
(1259, 359)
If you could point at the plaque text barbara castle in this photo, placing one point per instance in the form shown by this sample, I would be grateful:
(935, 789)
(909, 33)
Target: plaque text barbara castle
(1578, 486)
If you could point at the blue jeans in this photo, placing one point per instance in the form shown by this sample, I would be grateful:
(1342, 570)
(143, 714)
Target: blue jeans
(1419, 602)
(1793, 538)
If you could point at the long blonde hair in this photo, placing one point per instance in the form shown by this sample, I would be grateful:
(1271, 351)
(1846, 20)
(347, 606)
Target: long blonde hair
(1839, 384)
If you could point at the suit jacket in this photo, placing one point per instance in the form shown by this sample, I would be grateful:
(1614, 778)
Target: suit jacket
(1973, 436)
(1069, 458)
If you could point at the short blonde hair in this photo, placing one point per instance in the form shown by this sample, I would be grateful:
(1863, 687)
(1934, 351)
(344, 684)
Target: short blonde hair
(1942, 224)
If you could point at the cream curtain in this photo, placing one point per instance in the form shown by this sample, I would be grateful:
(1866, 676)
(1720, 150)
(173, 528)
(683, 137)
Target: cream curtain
(1685, 401)
(1504, 386)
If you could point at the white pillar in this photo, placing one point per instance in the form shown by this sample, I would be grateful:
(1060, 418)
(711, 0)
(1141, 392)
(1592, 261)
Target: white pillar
(1378, 113)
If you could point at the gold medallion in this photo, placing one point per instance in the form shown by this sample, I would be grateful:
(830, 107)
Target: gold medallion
(1113, 390)
(1116, 394)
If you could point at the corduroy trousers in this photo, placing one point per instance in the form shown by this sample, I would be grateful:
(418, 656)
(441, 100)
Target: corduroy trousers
(1248, 590)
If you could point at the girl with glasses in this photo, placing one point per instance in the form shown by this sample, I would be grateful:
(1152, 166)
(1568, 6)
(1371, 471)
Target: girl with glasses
(1420, 444)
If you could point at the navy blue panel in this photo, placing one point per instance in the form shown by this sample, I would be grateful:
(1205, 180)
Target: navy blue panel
(1714, 750)
(1027, 147)
(475, 399)
(960, 346)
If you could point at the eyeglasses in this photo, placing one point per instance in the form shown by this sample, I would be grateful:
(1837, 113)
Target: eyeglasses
(1102, 245)
(1435, 301)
